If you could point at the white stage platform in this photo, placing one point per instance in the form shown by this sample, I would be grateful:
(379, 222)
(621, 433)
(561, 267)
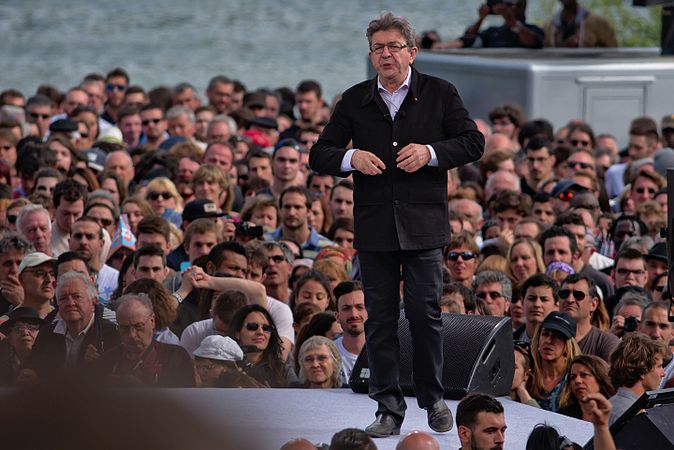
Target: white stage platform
(277, 415)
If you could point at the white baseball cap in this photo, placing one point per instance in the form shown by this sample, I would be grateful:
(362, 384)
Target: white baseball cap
(220, 348)
(35, 259)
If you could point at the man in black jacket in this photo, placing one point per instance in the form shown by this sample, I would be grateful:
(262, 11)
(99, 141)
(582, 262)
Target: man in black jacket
(407, 130)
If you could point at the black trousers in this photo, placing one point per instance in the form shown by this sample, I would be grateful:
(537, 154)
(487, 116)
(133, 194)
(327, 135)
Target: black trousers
(422, 277)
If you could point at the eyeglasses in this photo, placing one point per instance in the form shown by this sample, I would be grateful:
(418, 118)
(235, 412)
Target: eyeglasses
(253, 326)
(623, 271)
(393, 47)
(660, 288)
(466, 256)
(138, 327)
(41, 273)
(582, 165)
(641, 190)
(21, 327)
(577, 143)
(11, 218)
(147, 121)
(320, 358)
(493, 294)
(154, 196)
(277, 258)
(565, 196)
(577, 295)
(111, 87)
(39, 116)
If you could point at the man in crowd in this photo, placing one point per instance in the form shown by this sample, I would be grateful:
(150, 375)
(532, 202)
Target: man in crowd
(540, 298)
(540, 162)
(150, 262)
(481, 423)
(69, 199)
(13, 250)
(130, 124)
(120, 163)
(351, 315)
(36, 275)
(579, 299)
(341, 200)
(636, 367)
(39, 112)
(309, 101)
(184, 94)
(495, 289)
(285, 166)
(34, 224)
(116, 84)
(219, 93)
(295, 203)
(277, 273)
(259, 165)
(78, 336)
(153, 125)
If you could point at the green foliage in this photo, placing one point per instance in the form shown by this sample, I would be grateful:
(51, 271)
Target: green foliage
(634, 27)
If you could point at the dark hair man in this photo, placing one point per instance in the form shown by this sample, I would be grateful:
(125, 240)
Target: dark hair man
(481, 422)
(400, 176)
(541, 162)
(69, 199)
(13, 249)
(351, 315)
(539, 296)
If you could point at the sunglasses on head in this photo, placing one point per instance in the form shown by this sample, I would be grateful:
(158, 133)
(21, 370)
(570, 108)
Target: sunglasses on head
(252, 326)
(466, 256)
(111, 87)
(577, 295)
(155, 195)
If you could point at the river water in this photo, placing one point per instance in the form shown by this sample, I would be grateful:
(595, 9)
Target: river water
(261, 42)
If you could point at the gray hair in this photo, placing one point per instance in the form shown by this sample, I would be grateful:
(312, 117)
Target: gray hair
(492, 276)
(177, 111)
(388, 21)
(502, 173)
(315, 342)
(92, 291)
(268, 245)
(640, 243)
(141, 298)
(631, 299)
(15, 242)
(231, 123)
(27, 211)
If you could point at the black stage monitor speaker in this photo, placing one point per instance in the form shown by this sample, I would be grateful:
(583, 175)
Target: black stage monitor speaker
(654, 429)
(478, 357)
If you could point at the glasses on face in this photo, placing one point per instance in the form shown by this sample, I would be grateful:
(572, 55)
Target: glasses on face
(253, 326)
(277, 258)
(624, 271)
(322, 359)
(34, 115)
(146, 122)
(21, 327)
(154, 196)
(493, 294)
(660, 288)
(641, 190)
(579, 143)
(138, 327)
(42, 273)
(466, 256)
(393, 47)
(577, 295)
(582, 165)
(11, 218)
(115, 87)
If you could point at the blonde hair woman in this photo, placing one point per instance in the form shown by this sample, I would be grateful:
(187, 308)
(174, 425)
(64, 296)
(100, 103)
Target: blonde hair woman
(211, 183)
(164, 199)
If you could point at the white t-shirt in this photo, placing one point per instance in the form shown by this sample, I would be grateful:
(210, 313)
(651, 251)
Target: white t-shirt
(348, 360)
(195, 333)
(106, 282)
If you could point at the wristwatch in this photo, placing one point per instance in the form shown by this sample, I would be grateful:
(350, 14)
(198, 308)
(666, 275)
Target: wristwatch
(178, 297)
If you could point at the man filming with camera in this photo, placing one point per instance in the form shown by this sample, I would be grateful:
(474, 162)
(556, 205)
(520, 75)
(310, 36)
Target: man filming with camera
(514, 32)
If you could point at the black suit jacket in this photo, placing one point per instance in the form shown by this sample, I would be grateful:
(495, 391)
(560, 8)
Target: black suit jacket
(399, 210)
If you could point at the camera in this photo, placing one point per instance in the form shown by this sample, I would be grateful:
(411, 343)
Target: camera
(630, 324)
(492, 3)
(244, 229)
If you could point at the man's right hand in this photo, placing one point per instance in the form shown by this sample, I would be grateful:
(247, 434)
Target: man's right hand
(12, 290)
(483, 11)
(367, 163)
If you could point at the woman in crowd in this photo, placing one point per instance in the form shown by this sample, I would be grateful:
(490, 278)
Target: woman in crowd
(518, 389)
(302, 315)
(319, 215)
(164, 304)
(553, 348)
(262, 210)
(525, 259)
(320, 364)
(136, 209)
(63, 150)
(164, 199)
(86, 178)
(321, 324)
(252, 327)
(588, 375)
(313, 287)
(210, 183)
(112, 183)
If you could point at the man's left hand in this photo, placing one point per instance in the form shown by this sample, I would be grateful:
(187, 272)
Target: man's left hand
(413, 157)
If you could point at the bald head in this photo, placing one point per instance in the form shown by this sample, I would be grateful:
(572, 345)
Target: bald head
(120, 163)
(498, 141)
(418, 440)
(298, 444)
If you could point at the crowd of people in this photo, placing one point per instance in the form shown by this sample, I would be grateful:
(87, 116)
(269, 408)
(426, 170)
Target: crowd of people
(159, 238)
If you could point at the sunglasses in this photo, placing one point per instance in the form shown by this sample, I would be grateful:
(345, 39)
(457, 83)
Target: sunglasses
(252, 326)
(577, 143)
(466, 256)
(565, 196)
(11, 218)
(493, 294)
(148, 121)
(582, 165)
(277, 258)
(641, 190)
(39, 116)
(660, 288)
(577, 295)
(111, 87)
(155, 195)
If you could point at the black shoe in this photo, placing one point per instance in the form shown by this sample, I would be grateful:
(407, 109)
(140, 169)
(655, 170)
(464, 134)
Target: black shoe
(440, 417)
(383, 426)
